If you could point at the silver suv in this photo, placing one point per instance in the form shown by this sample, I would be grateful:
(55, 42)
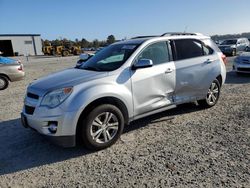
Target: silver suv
(126, 81)
(233, 46)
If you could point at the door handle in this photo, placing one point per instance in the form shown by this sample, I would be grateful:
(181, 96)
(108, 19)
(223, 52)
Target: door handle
(208, 61)
(169, 70)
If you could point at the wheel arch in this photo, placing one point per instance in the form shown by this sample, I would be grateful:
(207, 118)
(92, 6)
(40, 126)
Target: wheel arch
(6, 76)
(103, 100)
(219, 78)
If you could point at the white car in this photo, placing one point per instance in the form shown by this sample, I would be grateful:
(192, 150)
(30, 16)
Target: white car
(242, 62)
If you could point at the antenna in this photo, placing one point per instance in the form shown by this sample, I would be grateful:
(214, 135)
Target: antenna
(185, 30)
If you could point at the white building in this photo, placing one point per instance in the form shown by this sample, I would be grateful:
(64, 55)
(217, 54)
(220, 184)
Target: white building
(20, 44)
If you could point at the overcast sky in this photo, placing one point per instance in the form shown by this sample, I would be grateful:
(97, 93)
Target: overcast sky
(96, 19)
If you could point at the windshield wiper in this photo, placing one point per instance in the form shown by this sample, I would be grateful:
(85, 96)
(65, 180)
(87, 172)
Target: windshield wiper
(91, 68)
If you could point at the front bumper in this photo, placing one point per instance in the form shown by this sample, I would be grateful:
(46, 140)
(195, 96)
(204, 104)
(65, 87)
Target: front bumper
(241, 68)
(65, 134)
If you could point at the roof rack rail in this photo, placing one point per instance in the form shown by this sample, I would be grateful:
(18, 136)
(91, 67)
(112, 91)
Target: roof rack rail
(138, 37)
(179, 34)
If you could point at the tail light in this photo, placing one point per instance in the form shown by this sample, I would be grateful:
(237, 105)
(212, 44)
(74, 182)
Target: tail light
(20, 68)
(224, 58)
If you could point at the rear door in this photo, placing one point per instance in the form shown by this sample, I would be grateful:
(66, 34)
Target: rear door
(196, 65)
(153, 87)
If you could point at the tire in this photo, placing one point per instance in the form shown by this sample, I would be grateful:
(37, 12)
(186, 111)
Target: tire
(4, 82)
(102, 127)
(65, 53)
(213, 95)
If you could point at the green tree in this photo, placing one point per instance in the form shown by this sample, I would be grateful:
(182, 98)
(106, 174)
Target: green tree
(46, 42)
(84, 43)
(96, 43)
(111, 39)
(56, 42)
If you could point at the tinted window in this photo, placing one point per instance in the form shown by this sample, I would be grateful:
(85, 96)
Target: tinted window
(207, 50)
(188, 48)
(228, 42)
(157, 52)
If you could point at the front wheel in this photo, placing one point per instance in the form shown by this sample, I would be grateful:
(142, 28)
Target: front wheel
(213, 95)
(102, 127)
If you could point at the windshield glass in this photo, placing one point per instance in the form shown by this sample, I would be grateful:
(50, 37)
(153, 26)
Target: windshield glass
(227, 42)
(247, 49)
(110, 58)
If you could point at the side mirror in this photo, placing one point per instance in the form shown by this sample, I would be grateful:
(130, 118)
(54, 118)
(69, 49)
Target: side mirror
(84, 57)
(142, 63)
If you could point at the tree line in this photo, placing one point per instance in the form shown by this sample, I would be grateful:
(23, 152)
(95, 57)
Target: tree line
(84, 43)
(230, 36)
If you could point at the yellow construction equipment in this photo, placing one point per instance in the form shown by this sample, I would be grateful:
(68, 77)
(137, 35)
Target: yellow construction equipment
(61, 50)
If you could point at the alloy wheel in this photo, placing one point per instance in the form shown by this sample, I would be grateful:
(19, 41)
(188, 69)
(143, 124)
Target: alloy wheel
(213, 93)
(104, 127)
(2, 83)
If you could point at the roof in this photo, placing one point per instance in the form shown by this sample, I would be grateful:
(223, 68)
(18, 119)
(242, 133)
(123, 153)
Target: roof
(18, 35)
(133, 41)
(169, 36)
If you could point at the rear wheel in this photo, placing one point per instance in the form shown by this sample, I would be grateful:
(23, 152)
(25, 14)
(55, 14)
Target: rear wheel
(4, 82)
(65, 53)
(213, 95)
(102, 127)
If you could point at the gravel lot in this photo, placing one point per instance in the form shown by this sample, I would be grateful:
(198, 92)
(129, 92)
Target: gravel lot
(183, 147)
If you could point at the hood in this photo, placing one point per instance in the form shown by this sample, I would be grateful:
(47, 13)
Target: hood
(245, 54)
(65, 78)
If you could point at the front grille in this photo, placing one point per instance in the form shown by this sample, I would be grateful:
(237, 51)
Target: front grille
(245, 61)
(244, 69)
(29, 110)
(33, 96)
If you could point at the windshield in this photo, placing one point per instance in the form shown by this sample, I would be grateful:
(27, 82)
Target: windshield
(110, 58)
(247, 49)
(227, 42)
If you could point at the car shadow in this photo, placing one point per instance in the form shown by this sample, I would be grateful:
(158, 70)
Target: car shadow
(233, 78)
(22, 149)
(167, 115)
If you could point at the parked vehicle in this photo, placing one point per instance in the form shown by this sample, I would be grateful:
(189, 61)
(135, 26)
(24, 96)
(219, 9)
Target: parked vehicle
(233, 46)
(86, 56)
(126, 81)
(242, 62)
(83, 58)
(10, 70)
(61, 50)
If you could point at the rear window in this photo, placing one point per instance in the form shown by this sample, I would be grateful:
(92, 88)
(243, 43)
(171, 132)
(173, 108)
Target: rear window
(191, 48)
(229, 42)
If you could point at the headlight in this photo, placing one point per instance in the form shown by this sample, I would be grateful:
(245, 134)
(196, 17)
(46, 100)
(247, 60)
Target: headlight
(56, 97)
